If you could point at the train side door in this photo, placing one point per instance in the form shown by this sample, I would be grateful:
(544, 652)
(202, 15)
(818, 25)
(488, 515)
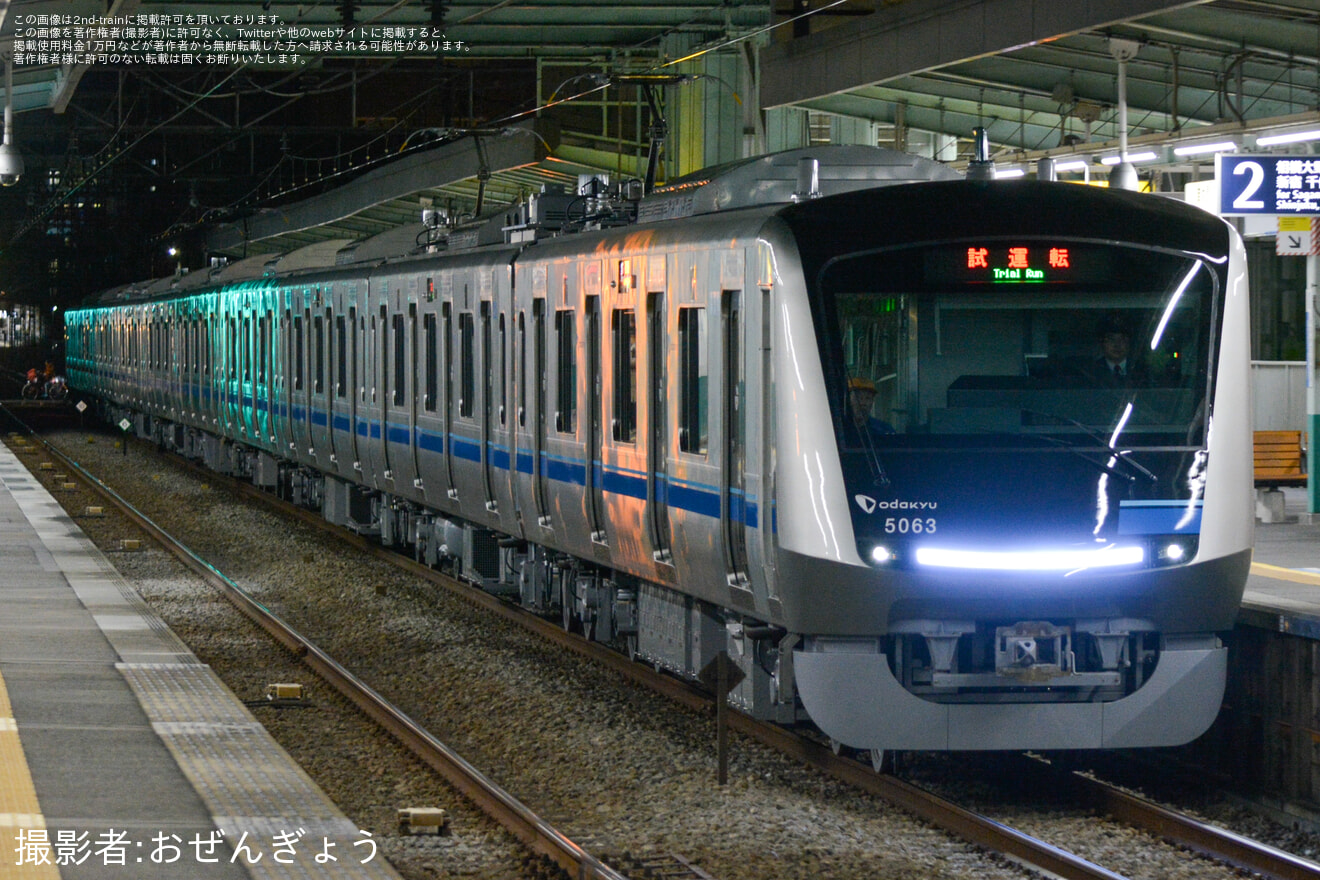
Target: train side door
(337, 362)
(265, 399)
(657, 466)
(499, 410)
(539, 421)
(287, 375)
(488, 384)
(733, 506)
(416, 390)
(354, 389)
(287, 405)
(174, 356)
(245, 343)
(302, 396)
(596, 514)
(226, 374)
(369, 398)
(318, 417)
(447, 331)
(398, 427)
(383, 386)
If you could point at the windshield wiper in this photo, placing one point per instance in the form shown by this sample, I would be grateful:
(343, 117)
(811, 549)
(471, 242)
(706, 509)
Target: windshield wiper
(1117, 455)
(1108, 467)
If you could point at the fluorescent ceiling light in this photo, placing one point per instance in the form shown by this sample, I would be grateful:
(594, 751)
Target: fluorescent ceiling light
(1074, 165)
(1291, 137)
(1198, 149)
(1008, 173)
(1147, 156)
(1030, 560)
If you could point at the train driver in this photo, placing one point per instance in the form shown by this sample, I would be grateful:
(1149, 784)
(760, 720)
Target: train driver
(1116, 365)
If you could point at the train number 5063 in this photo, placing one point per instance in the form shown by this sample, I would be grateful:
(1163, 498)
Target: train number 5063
(903, 525)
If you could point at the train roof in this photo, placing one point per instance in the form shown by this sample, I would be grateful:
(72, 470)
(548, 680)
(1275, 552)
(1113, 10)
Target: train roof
(787, 177)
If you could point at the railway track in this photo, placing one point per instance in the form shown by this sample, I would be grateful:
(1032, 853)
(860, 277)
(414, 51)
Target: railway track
(980, 830)
(537, 834)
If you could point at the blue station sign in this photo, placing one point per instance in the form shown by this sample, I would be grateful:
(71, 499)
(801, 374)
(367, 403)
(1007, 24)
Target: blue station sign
(1286, 185)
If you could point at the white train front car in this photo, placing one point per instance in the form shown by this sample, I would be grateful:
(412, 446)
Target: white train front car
(1014, 546)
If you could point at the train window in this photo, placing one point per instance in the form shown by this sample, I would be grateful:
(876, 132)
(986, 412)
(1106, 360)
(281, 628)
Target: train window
(566, 374)
(400, 361)
(318, 355)
(432, 372)
(693, 433)
(297, 354)
(624, 325)
(467, 390)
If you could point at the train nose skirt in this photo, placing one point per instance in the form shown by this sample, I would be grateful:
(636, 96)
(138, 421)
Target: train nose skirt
(855, 699)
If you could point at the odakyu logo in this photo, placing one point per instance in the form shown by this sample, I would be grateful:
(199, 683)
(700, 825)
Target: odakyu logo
(871, 505)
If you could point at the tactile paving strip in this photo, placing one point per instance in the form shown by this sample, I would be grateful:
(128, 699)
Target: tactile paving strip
(247, 781)
(19, 809)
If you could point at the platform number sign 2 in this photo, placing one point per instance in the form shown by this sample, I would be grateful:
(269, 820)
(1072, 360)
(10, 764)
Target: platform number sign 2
(1278, 185)
(1248, 199)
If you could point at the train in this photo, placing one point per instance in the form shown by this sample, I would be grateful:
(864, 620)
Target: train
(835, 413)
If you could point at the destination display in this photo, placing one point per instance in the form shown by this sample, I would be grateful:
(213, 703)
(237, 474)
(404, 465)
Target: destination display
(1014, 263)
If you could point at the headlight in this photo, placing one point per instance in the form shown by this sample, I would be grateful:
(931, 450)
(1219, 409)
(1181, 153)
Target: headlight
(1053, 559)
(882, 555)
(1173, 550)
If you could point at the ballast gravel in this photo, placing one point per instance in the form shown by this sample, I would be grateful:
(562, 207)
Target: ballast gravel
(618, 769)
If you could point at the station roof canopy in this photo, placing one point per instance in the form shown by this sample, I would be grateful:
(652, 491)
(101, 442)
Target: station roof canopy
(1039, 75)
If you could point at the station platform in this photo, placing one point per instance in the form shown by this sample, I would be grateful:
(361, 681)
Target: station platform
(121, 754)
(1283, 590)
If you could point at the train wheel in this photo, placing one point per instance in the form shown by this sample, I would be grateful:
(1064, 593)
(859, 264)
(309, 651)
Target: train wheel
(57, 391)
(30, 391)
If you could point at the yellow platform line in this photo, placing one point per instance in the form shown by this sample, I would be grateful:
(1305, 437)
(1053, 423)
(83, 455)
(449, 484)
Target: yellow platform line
(19, 810)
(1279, 573)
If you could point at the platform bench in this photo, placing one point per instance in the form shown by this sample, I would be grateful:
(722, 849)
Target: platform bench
(1279, 459)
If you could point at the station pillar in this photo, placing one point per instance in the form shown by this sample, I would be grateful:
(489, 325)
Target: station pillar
(1312, 395)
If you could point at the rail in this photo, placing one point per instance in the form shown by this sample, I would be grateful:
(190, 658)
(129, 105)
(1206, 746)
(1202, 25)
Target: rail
(980, 830)
(1201, 837)
(963, 823)
(535, 833)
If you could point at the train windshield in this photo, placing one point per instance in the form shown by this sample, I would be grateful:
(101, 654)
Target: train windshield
(998, 367)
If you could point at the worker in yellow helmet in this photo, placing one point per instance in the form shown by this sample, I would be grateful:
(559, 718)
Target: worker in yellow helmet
(861, 400)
